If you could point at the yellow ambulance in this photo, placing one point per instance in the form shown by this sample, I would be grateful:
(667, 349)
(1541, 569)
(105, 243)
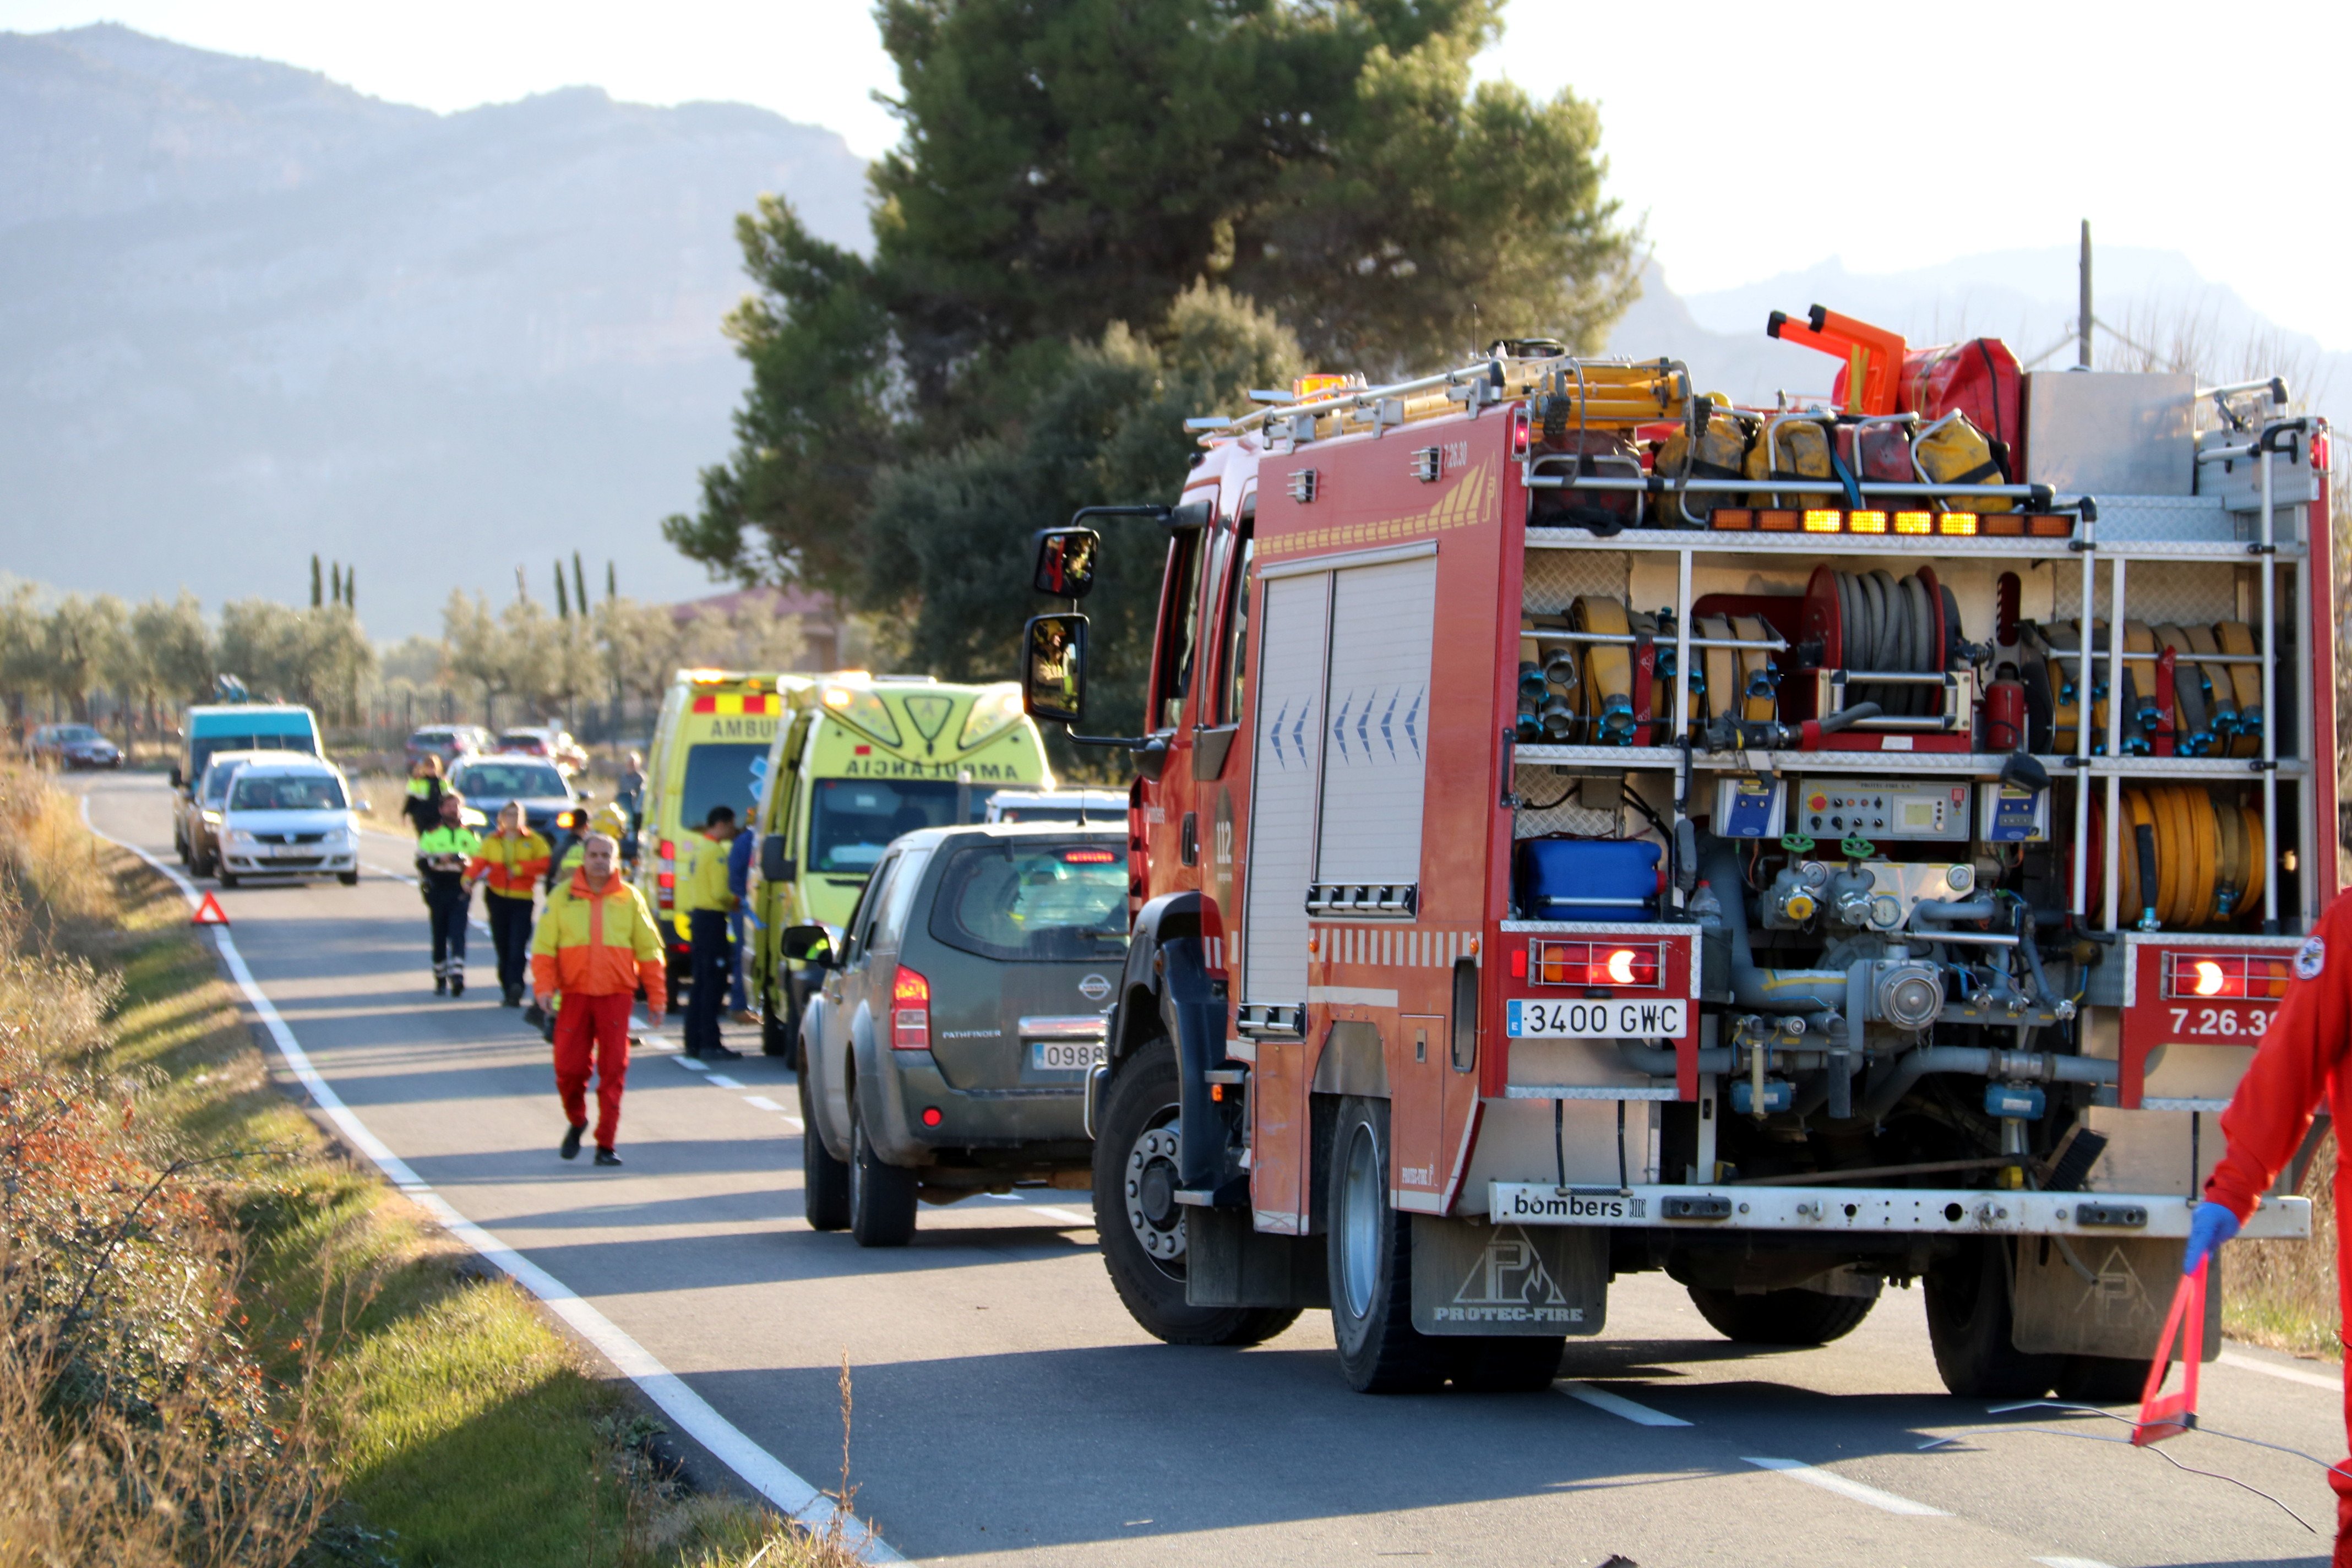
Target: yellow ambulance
(863, 759)
(716, 729)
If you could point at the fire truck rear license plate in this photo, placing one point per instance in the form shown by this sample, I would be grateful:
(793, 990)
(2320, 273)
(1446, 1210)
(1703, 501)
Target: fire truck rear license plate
(1610, 1020)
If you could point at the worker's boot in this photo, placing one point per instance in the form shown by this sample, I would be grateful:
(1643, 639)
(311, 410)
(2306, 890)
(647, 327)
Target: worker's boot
(440, 980)
(456, 977)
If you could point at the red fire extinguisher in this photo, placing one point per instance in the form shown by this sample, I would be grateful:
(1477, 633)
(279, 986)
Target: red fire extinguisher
(2004, 713)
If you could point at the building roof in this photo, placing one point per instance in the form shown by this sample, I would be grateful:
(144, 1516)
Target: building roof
(776, 601)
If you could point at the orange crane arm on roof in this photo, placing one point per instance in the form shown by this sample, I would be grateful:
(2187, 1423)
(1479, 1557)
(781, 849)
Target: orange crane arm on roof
(1874, 355)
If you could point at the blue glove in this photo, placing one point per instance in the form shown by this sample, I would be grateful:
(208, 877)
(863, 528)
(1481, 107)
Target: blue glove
(2209, 1227)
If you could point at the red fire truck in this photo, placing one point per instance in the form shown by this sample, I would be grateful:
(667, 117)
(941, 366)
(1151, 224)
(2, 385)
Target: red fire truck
(1586, 827)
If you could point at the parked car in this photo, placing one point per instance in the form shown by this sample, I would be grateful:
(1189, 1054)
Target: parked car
(292, 818)
(549, 741)
(1089, 805)
(546, 793)
(73, 746)
(448, 742)
(196, 825)
(948, 1046)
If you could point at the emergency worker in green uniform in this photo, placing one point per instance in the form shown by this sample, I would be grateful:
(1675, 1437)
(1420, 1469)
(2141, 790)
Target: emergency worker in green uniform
(443, 855)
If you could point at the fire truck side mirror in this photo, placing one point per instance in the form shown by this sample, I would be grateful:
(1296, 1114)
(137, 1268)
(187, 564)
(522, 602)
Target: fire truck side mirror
(1066, 562)
(1053, 667)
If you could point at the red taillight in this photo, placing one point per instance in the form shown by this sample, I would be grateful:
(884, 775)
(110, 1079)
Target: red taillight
(666, 880)
(1620, 965)
(931, 1117)
(1090, 857)
(1519, 431)
(669, 850)
(911, 1012)
(2225, 977)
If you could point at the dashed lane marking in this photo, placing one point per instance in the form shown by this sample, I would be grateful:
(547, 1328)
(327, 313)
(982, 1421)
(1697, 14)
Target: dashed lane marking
(760, 1470)
(720, 1080)
(690, 1065)
(1830, 1481)
(1063, 1215)
(1618, 1404)
(2070, 1563)
(761, 1100)
(2285, 1373)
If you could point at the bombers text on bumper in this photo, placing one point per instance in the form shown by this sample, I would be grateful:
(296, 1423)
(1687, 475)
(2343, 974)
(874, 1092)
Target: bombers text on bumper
(1880, 1211)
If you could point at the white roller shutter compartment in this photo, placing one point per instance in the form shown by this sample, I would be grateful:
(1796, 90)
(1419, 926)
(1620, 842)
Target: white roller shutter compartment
(1376, 731)
(1287, 748)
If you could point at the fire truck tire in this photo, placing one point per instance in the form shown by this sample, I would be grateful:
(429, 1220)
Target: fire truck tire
(1135, 1178)
(825, 1180)
(2102, 1379)
(1969, 1323)
(881, 1196)
(1370, 1251)
(1781, 1316)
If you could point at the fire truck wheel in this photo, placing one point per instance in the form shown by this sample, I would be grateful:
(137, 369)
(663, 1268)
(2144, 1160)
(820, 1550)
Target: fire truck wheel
(881, 1196)
(825, 1180)
(1370, 1252)
(2102, 1380)
(1969, 1323)
(1142, 1227)
(1781, 1316)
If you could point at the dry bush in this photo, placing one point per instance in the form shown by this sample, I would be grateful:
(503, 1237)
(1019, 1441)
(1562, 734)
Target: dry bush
(137, 1425)
(2283, 1293)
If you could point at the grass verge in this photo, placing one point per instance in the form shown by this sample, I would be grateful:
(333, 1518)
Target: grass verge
(2283, 1294)
(281, 1348)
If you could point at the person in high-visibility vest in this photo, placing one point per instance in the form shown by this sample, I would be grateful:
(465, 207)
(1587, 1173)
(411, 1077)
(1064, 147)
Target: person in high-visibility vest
(422, 806)
(703, 902)
(2302, 1060)
(595, 947)
(442, 853)
(508, 864)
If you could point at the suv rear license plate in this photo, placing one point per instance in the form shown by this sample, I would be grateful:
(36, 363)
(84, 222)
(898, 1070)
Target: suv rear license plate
(1617, 1019)
(1059, 1056)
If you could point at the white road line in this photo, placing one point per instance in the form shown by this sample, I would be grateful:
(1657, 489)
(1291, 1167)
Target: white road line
(2287, 1373)
(761, 1100)
(1618, 1404)
(690, 1065)
(720, 1080)
(1830, 1481)
(2070, 1563)
(1065, 1215)
(766, 1475)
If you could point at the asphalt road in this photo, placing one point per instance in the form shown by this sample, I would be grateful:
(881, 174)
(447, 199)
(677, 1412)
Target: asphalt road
(1006, 1409)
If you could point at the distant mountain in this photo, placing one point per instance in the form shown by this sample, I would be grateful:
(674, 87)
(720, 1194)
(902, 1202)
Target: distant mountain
(246, 313)
(2027, 298)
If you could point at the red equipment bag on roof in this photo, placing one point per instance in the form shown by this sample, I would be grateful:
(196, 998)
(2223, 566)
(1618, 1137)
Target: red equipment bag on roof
(1980, 378)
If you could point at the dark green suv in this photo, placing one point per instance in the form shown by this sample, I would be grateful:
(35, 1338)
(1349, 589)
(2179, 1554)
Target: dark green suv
(948, 1048)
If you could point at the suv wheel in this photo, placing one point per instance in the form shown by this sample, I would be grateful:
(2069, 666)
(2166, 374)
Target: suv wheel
(825, 1180)
(881, 1196)
(1136, 1216)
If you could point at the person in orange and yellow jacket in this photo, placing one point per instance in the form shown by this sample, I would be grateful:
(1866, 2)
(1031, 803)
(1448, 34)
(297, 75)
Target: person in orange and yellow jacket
(2301, 1061)
(509, 862)
(596, 944)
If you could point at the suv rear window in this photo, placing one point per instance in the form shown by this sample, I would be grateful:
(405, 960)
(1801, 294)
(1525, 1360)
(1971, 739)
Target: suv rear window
(1031, 900)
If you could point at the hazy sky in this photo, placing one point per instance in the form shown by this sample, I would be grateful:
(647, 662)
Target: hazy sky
(1753, 140)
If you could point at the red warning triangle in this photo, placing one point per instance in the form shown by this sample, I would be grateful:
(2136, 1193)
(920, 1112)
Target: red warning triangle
(208, 913)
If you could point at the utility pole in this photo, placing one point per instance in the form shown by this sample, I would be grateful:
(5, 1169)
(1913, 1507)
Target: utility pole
(2083, 308)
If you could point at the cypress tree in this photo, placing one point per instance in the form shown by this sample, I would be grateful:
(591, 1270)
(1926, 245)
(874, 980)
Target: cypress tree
(317, 593)
(562, 592)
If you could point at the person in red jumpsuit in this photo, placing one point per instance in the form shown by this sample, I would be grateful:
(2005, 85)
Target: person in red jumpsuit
(2300, 1061)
